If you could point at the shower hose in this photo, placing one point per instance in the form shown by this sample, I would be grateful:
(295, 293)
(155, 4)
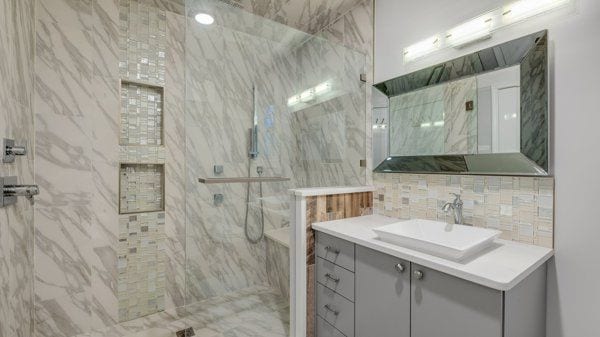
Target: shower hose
(262, 213)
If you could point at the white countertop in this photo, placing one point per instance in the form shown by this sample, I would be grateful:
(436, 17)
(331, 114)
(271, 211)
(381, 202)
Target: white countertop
(313, 191)
(501, 267)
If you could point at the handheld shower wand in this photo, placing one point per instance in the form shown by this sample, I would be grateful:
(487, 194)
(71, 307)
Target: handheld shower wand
(253, 154)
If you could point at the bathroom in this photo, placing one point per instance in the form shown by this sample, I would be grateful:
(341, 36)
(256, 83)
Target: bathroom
(240, 168)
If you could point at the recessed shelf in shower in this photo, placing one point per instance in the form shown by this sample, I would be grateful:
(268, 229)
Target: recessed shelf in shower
(141, 188)
(142, 114)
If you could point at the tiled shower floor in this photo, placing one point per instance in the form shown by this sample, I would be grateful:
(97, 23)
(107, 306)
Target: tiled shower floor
(253, 312)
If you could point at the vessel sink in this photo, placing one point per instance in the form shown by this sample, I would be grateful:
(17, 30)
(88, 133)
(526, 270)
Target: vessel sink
(456, 242)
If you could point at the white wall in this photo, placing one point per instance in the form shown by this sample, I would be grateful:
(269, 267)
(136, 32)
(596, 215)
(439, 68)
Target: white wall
(574, 276)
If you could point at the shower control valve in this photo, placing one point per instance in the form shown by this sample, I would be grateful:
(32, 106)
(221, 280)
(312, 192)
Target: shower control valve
(10, 190)
(11, 151)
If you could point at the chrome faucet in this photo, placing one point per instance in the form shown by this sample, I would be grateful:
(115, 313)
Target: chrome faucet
(457, 207)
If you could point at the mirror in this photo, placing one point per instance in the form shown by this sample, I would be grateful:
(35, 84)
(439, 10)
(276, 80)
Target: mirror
(484, 113)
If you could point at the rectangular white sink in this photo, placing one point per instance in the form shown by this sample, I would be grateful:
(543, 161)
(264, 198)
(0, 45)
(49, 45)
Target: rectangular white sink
(454, 242)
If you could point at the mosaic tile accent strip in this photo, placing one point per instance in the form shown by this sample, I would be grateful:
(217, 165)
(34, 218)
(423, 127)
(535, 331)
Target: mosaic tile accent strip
(326, 208)
(142, 42)
(521, 207)
(141, 188)
(141, 115)
(142, 154)
(141, 265)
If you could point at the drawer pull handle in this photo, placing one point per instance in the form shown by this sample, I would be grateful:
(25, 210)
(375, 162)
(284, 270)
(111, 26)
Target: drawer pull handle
(333, 278)
(333, 311)
(399, 267)
(419, 274)
(332, 249)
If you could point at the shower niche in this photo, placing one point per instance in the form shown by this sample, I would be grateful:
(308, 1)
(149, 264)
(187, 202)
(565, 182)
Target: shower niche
(141, 188)
(141, 114)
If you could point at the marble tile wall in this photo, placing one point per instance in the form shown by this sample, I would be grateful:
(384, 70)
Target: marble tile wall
(77, 101)
(306, 15)
(17, 38)
(64, 73)
(521, 207)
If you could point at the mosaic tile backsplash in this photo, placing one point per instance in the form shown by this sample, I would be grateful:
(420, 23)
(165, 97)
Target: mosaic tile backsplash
(520, 207)
(142, 42)
(141, 265)
(141, 188)
(141, 115)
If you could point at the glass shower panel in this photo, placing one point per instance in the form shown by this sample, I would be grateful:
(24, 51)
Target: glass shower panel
(309, 107)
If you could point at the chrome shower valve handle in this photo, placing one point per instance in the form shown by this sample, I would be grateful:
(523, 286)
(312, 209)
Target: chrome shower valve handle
(10, 190)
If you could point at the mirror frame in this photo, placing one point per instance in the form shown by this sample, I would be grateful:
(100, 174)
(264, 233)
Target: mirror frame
(531, 53)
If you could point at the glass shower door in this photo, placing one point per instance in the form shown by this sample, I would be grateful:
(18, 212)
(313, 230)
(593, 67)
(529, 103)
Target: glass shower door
(299, 100)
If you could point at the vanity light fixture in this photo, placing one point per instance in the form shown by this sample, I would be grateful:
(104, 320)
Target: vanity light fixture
(205, 19)
(438, 123)
(422, 48)
(471, 31)
(483, 26)
(524, 9)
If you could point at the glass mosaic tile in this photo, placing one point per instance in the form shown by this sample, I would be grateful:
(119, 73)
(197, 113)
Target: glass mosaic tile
(141, 188)
(141, 115)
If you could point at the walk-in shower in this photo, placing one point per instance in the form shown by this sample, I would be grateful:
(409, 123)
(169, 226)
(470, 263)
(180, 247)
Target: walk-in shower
(157, 209)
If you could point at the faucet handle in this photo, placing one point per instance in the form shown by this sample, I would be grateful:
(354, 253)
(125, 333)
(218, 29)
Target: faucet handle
(457, 199)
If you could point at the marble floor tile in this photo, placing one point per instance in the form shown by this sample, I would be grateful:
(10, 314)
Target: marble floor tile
(256, 311)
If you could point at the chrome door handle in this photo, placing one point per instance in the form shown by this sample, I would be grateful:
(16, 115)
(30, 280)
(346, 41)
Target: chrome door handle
(399, 267)
(330, 309)
(333, 278)
(419, 274)
(332, 249)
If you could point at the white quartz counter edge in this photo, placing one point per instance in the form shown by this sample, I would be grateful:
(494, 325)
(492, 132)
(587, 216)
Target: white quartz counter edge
(501, 267)
(313, 191)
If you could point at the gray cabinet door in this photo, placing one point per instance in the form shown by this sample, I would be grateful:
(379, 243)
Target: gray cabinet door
(446, 306)
(382, 295)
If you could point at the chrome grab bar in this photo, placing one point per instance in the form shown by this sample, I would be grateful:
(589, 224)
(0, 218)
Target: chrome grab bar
(241, 180)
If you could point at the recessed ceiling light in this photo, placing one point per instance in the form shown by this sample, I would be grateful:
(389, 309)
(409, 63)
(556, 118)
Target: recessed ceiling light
(204, 19)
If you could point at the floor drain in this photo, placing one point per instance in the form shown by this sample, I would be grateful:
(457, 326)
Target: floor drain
(187, 332)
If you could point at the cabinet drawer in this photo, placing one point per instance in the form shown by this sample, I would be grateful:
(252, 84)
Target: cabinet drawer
(325, 329)
(335, 250)
(335, 278)
(336, 310)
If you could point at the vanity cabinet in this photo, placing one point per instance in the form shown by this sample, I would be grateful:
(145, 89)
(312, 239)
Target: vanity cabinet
(379, 295)
(382, 294)
(443, 305)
